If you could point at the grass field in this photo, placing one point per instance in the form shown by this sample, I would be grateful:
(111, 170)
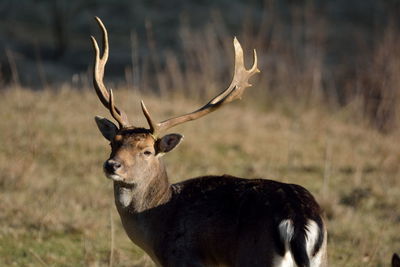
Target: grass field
(57, 207)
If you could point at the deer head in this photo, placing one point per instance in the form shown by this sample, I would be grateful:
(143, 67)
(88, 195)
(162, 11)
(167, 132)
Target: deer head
(136, 151)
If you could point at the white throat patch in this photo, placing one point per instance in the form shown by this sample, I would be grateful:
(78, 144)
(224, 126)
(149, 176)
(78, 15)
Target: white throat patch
(125, 196)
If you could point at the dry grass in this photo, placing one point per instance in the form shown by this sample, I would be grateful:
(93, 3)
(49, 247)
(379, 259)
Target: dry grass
(55, 202)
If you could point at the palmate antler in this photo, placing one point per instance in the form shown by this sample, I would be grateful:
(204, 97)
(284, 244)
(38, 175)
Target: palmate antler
(240, 82)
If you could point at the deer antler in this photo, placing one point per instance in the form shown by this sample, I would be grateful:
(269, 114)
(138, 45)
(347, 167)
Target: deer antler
(98, 75)
(240, 82)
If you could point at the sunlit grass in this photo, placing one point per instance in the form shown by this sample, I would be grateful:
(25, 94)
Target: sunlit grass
(55, 202)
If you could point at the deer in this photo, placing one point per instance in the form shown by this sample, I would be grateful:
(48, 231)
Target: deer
(209, 220)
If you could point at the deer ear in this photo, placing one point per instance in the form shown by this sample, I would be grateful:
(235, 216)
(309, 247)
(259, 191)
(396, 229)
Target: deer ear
(106, 127)
(168, 142)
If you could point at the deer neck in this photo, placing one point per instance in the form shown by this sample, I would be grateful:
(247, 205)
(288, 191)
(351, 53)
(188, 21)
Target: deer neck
(146, 193)
(136, 204)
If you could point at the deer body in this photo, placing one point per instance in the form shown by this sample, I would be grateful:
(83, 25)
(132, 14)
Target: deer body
(210, 220)
(188, 229)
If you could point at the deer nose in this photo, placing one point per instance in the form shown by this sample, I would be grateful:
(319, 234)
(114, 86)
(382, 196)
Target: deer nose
(112, 166)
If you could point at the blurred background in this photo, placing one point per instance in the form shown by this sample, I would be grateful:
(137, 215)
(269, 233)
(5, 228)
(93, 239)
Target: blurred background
(323, 113)
(336, 50)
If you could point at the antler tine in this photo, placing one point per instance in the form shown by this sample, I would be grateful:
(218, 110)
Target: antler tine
(153, 126)
(114, 111)
(240, 82)
(100, 61)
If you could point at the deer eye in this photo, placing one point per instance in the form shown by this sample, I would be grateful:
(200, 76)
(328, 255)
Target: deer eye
(147, 152)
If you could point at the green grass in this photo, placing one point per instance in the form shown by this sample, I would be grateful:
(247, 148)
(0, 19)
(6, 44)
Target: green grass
(56, 204)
